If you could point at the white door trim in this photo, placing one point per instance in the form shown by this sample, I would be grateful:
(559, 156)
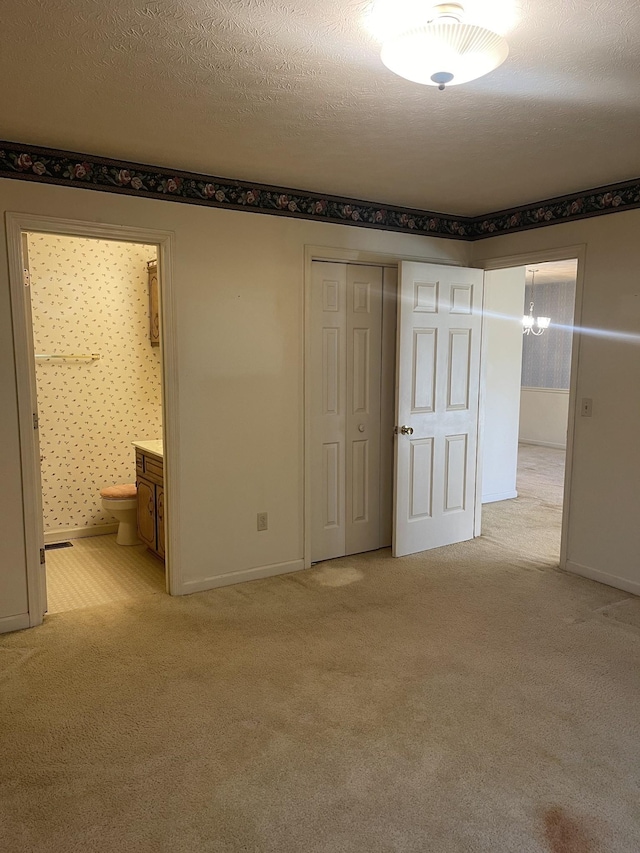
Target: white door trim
(16, 225)
(542, 256)
(351, 256)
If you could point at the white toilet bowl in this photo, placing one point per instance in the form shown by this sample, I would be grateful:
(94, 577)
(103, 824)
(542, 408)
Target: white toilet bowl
(122, 502)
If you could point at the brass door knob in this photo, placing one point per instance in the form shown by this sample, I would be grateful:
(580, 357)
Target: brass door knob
(406, 430)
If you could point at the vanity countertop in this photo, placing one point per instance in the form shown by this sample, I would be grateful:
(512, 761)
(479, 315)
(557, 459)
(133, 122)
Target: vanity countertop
(153, 447)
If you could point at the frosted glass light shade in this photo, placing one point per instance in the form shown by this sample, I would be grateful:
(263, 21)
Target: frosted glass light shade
(447, 52)
(543, 322)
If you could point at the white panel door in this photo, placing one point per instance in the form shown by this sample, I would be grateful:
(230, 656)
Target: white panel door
(364, 359)
(328, 409)
(438, 379)
(388, 403)
(346, 329)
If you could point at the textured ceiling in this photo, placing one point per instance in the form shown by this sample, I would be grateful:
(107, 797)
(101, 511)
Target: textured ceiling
(292, 92)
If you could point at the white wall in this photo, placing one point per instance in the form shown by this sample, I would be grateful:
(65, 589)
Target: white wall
(502, 362)
(603, 539)
(239, 318)
(91, 296)
(544, 414)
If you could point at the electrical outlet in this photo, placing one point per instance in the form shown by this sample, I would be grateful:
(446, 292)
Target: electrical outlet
(263, 521)
(586, 407)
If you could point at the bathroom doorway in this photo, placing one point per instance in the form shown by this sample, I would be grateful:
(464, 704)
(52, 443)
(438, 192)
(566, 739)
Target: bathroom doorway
(94, 330)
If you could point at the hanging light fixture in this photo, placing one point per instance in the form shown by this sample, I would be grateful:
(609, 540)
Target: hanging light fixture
(534, 325)
(444, 51)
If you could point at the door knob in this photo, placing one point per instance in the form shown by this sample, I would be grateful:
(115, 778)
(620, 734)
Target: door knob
(405, 430)
(360, 427)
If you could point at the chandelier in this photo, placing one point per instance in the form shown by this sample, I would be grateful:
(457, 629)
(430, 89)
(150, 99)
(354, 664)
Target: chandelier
(442, 50)
(534, 325)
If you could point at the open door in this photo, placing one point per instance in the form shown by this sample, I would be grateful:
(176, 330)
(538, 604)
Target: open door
(438, 384)
(34, 408)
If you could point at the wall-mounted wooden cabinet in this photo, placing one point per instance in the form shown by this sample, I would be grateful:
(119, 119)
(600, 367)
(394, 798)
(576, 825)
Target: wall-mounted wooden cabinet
(154, 304)
(150, 482)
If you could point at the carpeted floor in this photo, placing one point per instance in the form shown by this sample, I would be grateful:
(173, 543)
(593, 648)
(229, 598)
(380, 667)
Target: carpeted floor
(97, 570)
(469, 700)
(530, 526)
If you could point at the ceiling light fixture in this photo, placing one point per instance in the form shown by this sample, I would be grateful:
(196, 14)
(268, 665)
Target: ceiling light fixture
(444, 51)
(534, 325)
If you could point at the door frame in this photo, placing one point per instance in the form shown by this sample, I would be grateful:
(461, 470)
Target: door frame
(496, 262)
(345, 256)
(16, 225)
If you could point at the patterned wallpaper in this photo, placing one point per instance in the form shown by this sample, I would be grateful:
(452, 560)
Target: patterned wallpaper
(91, 296)
(546, 360)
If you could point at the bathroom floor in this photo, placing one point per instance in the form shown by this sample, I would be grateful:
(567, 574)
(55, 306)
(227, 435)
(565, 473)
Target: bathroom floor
(96, 570)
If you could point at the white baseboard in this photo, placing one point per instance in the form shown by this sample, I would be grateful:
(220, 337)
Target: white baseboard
(242, 576)
(499, 496)
(66, 533)
(542, 443)
(602, 577)
(14, 623)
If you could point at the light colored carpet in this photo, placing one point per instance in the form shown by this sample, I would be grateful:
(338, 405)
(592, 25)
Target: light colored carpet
(468, 700)
(531, 524)
(97, 570)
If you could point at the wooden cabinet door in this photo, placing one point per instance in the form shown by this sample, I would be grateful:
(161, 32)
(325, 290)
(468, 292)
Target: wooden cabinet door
(147, 513)
(160, 519)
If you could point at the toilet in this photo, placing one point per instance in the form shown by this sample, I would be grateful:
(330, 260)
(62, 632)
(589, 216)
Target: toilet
(122, 501)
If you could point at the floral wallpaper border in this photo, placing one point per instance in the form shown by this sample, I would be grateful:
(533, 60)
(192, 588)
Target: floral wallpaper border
(30, 162)
(84, 170)
(568, 208)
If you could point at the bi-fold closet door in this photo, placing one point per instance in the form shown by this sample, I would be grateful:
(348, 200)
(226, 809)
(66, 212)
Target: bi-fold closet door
(346, 372)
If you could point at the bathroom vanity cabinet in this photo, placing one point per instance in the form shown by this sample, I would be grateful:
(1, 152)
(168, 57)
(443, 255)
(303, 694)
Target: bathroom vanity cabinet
(150, 483)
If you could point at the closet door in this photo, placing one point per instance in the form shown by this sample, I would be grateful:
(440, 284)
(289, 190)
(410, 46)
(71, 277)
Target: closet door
(346, 326)
(364, 361)
(328, 410)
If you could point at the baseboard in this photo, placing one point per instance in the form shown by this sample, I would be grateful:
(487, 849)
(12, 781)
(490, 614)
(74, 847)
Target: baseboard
(242, 576)
(14, 623)
(602, 577)
(498, 496)
(542, 443)
(65, 533)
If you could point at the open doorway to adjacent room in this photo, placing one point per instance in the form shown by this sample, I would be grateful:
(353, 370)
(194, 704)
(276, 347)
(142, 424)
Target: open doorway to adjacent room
(98, 375)
(529, 331)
